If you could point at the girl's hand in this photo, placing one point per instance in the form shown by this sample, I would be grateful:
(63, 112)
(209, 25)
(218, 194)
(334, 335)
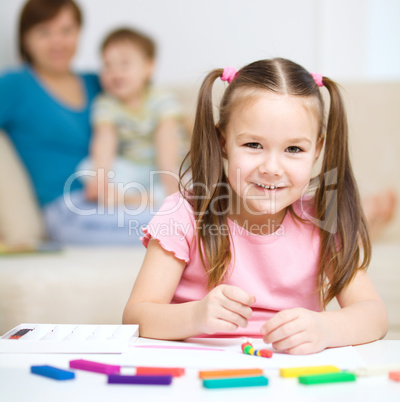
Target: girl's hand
(224, 309)
(297, 331)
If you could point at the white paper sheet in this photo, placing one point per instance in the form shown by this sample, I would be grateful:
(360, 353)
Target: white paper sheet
(226, 353)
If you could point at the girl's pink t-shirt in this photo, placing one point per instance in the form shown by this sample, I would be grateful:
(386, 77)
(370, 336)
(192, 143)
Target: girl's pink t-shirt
(279, 269)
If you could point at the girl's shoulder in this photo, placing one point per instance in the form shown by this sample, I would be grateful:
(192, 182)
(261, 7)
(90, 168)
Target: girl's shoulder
(173, 226)
(176, 205)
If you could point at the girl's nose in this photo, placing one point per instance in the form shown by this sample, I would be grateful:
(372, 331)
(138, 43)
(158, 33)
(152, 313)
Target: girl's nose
(271, 165)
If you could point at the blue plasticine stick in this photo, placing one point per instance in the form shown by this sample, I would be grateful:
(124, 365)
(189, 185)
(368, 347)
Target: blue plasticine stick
(53, 372)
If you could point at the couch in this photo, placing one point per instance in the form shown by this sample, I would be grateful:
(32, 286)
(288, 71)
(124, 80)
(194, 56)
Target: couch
(91, 285)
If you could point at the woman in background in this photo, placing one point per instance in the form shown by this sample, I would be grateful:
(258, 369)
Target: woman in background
(45, 112)
(44, 106)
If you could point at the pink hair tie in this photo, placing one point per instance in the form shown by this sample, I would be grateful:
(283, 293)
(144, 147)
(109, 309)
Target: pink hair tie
(318, 79)
(229, 74)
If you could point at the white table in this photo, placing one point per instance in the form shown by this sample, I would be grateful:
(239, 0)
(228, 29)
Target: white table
(18, 384)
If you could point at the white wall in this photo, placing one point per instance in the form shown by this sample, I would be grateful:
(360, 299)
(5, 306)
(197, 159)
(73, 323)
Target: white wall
(346, 39)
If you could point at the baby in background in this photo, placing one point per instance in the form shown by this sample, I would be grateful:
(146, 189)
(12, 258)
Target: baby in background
(137, 130)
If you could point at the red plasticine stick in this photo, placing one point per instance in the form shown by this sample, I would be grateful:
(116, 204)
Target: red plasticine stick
(174, 371)
(394, 375)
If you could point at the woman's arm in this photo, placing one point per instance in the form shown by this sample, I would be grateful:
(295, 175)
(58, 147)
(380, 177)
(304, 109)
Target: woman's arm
(167, 151)
(361, 319)
(225, 308)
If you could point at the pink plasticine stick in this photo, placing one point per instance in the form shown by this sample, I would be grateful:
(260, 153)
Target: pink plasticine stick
(178, 347)
(95, 367)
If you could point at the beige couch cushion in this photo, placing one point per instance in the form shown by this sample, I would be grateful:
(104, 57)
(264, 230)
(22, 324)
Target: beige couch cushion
(79, 285)
(20, 218)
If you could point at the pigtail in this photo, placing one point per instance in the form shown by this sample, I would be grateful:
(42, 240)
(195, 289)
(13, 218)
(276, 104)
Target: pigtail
(207, 190)
(345, 243)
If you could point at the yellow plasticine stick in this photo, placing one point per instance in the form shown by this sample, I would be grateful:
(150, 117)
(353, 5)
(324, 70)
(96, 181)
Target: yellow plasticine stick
(302, 371)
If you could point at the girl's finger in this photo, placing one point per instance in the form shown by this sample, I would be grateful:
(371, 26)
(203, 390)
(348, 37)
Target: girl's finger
(237, 308)
(225, 326)
(290, 342)
(303, 349)
(232, 317)
(284, 331)
(236, 294)
(279, 319)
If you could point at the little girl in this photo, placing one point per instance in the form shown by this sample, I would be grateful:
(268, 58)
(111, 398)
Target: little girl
(242, 251)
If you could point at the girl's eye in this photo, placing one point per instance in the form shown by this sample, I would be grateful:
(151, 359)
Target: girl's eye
(254, 145)
(294, 149)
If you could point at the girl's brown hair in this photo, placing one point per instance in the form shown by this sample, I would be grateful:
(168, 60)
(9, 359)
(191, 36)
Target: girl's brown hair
(345, 245)
(35, 12)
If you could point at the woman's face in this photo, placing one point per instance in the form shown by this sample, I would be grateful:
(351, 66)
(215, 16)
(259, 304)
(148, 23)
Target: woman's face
(52, 44)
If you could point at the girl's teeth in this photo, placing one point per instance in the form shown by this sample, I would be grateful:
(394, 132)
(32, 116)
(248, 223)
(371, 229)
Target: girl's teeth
(272, 187)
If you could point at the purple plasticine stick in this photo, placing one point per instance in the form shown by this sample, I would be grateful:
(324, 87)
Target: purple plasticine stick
(140, 379)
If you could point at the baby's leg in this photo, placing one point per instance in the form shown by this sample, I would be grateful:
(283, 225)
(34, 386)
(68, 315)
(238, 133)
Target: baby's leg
(379, 211)
(75, 221)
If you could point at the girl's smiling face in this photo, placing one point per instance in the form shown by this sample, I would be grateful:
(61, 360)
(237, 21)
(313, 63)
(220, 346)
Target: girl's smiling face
(271, 144)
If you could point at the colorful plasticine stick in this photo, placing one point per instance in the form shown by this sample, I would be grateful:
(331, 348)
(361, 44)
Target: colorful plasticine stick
(103, 368)
(94, 367)
(326, 378)
(248, 349)
(308, 370)
(236, 382)
(206, 374)
(53, 372)
(173, 371)
(140, 379)
(394, 375)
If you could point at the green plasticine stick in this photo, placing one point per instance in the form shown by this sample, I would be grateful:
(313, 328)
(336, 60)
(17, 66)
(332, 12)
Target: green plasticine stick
(327, 378)
(236, 382)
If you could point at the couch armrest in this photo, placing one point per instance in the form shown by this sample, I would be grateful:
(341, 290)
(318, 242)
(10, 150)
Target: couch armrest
(21, 222)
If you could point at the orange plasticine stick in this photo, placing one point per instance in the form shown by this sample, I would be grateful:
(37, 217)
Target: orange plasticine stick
(229, 373)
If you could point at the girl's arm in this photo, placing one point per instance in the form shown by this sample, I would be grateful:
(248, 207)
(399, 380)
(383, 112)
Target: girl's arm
(363, 315)
(167, 151)
(103, 150)
(361, 319)
(225, 308)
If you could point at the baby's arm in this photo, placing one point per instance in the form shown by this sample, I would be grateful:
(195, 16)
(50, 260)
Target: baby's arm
(103, 149)
(225, 308)
(361, 319)
(167, 151)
